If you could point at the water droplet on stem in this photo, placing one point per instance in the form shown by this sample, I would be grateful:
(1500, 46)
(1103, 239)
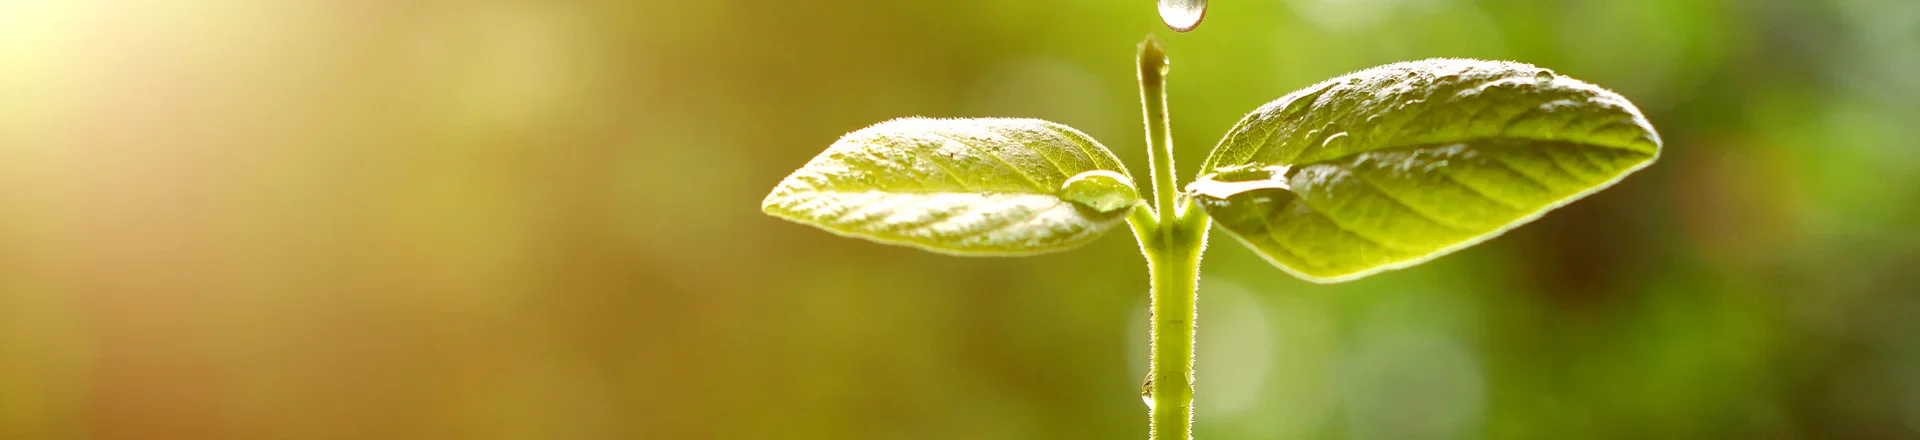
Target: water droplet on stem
(1146, 391)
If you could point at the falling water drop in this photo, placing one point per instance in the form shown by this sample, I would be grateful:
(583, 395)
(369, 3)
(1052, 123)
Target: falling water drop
(1183, 15)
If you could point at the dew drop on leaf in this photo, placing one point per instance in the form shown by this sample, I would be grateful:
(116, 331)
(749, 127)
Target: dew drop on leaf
(1335, 142)
(1102, 190)
(1227, 182)
(1543, 76)
(1182, 15)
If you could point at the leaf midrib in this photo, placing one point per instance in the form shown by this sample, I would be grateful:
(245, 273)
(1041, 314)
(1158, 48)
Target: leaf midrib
(1469, 142)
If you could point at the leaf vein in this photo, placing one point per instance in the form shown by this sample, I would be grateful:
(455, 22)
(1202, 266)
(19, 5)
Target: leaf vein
(1494, 158)
(1317, 210)
(886, 163)
(988, 152)
(1266, 222)
(1370, 184)
(942, 166)
(1084, 149)
(1065, 173)
(1479, 192)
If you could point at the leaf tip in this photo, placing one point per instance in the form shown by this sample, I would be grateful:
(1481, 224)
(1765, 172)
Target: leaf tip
(775, 203)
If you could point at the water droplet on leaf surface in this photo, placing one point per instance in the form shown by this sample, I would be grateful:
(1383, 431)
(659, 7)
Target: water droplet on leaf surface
(1102, 190)
(1335, 142)
(1543, 76)
(1227, 182)
(1182, 15)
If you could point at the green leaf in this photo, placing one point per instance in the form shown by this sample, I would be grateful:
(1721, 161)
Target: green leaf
(1395, 165)
(961, 186)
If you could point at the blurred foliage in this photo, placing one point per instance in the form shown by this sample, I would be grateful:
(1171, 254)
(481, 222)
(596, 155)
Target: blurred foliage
(226, 219)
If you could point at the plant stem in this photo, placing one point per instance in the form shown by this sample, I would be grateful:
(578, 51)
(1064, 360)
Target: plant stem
(1172, 244)
(1153, 100)
(1173, 259)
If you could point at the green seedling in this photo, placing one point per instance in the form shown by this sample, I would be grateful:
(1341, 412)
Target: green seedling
(1380, 169)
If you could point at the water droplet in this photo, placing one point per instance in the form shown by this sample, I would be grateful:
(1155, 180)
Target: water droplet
(1234, 180)
(1102, 190)
(1146, 391)
(1543, 76)
(1335, 141)
(1182, 15)
(1244, 173)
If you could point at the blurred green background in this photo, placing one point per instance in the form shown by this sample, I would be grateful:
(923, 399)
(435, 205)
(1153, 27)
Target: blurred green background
(292, 219)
